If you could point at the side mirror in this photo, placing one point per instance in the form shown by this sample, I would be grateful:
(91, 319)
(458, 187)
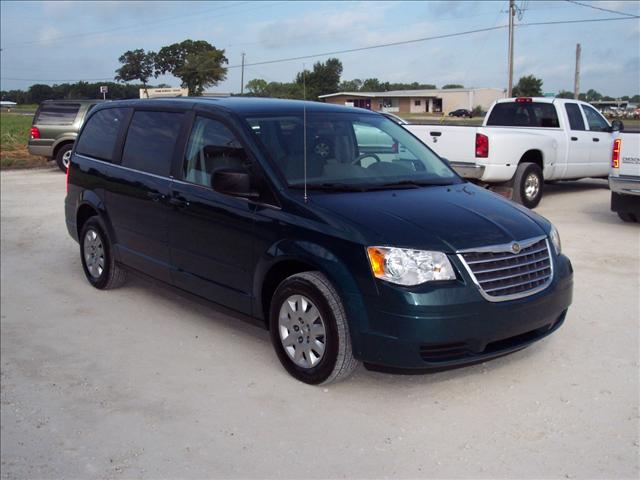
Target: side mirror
(233, 182)
(617, 126)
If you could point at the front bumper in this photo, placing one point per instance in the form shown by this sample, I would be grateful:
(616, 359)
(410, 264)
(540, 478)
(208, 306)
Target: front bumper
(438, 328)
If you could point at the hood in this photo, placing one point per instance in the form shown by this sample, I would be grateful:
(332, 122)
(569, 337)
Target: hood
(445, 218)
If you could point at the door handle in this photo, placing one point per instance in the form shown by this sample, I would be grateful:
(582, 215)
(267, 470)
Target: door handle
(179, 202)
(156, 196)
(574, 139)
(435, 134)
(596, 139)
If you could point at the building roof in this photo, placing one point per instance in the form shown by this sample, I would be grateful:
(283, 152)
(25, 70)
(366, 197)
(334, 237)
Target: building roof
(407, 93)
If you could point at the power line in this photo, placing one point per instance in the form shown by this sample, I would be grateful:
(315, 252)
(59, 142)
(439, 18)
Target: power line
(631, 15)
(370, 47)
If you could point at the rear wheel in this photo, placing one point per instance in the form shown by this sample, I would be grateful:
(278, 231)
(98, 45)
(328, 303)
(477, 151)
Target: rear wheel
(527, 184)
(98, 263)
(63, 157)
(309, 329)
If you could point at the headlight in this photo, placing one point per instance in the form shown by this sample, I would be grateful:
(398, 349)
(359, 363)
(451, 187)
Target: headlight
(409, 267)
(554, 236)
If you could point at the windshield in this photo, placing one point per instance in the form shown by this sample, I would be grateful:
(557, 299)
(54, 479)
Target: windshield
(348, 150)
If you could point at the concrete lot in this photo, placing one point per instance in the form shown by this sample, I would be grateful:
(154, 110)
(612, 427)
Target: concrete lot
(141, 382)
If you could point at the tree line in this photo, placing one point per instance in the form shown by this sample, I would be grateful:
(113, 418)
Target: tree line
(199, 65)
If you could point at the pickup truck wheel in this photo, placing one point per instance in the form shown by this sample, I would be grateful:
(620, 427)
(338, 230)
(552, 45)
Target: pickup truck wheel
(527, 184)
(97, 259)
(309, 329)
(63, 157)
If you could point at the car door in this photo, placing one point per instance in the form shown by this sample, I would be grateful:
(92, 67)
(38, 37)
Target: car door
(140, 188)
(601, 142)
(579, 144)
(210, 233)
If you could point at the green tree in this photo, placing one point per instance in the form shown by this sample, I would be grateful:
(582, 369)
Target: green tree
(256, 87)
(592, 95)
(324, 79)
(409, 86)
(373, 85)
(528, 86)
(197, 63)
(564, 94)
(350, 85)
(635, 99)
(136, 65)
(40, 92)
(452, 85)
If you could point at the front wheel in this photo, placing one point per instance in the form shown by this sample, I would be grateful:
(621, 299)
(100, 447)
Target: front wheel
(309, 329)
(63, 157)
(627, 217)
(528, 184)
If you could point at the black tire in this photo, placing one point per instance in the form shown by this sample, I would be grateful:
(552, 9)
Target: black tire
(522, 189)
(627, 217)
(63, 156)
(111, 275)
(337, 361)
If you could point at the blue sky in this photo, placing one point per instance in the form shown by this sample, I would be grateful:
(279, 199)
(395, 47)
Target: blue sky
(50, 42)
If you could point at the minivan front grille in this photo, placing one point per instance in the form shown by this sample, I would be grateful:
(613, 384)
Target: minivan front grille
(510, 271)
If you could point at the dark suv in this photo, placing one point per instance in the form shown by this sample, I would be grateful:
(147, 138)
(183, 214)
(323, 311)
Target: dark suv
(55, 128)
(376, 251)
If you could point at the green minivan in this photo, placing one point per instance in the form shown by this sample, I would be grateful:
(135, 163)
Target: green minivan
(55, 127)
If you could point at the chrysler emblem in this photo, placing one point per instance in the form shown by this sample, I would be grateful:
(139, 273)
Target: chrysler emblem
(515, 247)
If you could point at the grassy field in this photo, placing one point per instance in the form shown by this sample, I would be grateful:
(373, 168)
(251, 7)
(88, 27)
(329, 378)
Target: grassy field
(14, 135)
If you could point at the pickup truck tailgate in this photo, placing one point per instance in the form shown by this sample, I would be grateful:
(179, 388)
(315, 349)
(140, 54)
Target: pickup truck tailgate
(455, 143)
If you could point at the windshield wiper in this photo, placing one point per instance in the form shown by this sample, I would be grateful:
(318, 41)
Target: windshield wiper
(409, 184)
(330, 187)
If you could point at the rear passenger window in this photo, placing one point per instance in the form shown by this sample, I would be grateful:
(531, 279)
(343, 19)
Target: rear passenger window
(151, 140)
(98, 138)
(56, 114)
(575, 117)
(211, 146)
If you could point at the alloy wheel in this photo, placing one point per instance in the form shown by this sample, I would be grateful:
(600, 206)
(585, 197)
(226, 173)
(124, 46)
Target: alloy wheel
(93, 251)
(302, 331)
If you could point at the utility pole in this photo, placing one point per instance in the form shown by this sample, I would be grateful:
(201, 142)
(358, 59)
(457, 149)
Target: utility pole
(576, 82)
(242, 76)
(512, 12)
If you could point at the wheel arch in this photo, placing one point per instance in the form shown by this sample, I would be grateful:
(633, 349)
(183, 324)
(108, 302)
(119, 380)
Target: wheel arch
(91, 205)
(533, 156)
(289, 257)
(61, 143)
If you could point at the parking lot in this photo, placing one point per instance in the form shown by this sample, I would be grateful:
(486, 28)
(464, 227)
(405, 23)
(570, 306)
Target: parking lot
(143, 382)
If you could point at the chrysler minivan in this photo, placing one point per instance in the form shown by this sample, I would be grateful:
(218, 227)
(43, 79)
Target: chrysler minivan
(369, 249)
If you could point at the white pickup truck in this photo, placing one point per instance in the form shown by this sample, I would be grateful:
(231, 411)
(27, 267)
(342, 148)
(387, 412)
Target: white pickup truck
(524, 142)
(624, 178)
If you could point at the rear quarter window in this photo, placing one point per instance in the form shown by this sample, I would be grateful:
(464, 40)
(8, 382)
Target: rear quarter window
(56, 114)
(521, 114)
(99, 136)
(151, 140)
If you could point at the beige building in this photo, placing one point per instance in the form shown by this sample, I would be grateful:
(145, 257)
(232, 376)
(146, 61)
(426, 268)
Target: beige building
(418, 101)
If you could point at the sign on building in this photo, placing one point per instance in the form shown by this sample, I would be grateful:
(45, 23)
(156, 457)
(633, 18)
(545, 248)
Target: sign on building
(163, 92)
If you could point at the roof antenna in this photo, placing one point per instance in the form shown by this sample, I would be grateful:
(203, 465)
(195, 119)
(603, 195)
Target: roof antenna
(304, 127)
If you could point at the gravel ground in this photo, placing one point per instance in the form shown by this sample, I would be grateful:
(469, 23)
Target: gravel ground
(142, 382)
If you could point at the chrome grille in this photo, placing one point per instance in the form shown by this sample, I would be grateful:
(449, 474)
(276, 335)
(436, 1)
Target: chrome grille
(510, 271)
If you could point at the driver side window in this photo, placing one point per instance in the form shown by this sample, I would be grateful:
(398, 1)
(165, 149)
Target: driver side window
(595, 120)
(211, 146)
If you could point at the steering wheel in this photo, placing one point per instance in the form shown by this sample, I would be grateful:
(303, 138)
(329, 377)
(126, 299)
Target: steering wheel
(359, 158)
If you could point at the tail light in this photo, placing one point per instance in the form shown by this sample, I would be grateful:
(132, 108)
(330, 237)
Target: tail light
(615, 154)
(523, 100)
(34, 132)
(482, 145)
